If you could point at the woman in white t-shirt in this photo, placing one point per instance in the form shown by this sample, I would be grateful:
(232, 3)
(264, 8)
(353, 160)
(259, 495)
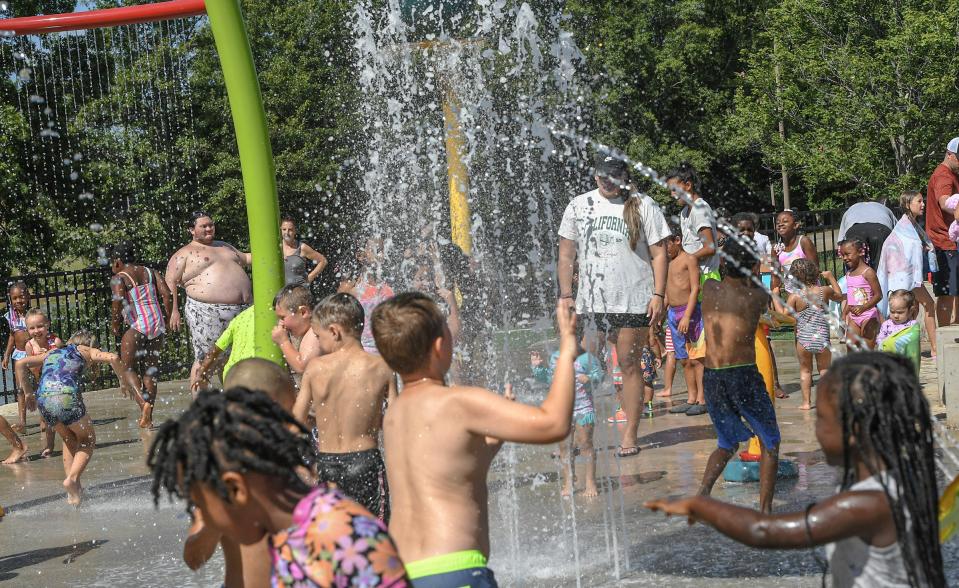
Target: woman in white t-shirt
(617, 235)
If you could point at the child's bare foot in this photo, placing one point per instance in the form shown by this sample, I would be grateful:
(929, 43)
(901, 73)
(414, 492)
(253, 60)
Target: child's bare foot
(566, 491)
(805, 406)
(46, 453)
(590, 491)
(146, 417)
(19, 428)
(780, 393)
(74, 491)
(664, 393)
(17, 455)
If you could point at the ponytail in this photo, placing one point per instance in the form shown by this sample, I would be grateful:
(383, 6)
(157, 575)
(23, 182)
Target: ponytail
(634, 220)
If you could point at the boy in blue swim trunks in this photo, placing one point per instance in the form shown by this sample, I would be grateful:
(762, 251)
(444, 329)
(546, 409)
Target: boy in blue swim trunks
(733, 386)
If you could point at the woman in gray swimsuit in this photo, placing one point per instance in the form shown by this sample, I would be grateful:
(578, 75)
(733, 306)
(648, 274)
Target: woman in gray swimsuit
(295, 256)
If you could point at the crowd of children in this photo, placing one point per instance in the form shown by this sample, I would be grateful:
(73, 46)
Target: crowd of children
(353, 461)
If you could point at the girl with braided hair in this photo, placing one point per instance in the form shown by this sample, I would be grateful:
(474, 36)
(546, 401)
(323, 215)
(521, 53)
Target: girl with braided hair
(244, 462)
(882, 527)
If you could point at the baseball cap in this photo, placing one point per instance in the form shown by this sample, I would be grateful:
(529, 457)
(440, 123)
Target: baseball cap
(613, 167)
(953, 145)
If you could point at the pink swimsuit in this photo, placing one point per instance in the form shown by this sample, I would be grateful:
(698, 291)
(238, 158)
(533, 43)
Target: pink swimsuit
(858, 291)
(786, 259)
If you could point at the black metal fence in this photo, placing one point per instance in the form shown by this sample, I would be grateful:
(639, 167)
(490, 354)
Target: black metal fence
(80, 299)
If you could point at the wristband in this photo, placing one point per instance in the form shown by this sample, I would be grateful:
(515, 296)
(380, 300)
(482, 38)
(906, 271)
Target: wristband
(570, 296)
(660, 295)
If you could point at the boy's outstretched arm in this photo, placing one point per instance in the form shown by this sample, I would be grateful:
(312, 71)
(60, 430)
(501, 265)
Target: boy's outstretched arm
(489, 414)
(863, 514)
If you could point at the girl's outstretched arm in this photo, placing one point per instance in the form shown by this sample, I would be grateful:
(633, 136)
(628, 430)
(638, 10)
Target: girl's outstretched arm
(864, 514)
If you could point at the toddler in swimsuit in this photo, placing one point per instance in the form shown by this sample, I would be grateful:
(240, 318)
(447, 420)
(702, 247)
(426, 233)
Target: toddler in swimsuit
(812, 326)
(900, 333)
(863, 293)
(41, 341)
(589, 372)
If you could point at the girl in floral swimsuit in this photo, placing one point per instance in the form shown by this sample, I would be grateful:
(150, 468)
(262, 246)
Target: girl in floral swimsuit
(242, 440)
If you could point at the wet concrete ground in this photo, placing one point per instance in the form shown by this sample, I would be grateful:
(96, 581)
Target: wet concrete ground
(539, 539)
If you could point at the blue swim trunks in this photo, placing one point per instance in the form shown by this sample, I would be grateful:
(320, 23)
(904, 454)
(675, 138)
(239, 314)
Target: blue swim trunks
(736, 394)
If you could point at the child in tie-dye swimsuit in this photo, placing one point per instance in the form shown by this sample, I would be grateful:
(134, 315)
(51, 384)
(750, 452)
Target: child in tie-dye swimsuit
(18, 302)
(59, 398)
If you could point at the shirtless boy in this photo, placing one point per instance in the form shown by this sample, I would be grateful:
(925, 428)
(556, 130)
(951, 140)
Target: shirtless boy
(216, 284)
(247, 566)
(440, 441)
(347, 388)
(684, 319)
(294, 306)
(735, 391)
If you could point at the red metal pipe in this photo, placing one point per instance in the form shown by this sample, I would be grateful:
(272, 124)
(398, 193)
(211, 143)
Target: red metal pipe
(109, 17)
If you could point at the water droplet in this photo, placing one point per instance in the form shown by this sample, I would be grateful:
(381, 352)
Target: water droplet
(67, 161)
(24, 74)
(77, 156)
(35, 99)
(48, 111)
(96, 228)
(74, 176)
(85, 196)
(49, 134)
(4, 6)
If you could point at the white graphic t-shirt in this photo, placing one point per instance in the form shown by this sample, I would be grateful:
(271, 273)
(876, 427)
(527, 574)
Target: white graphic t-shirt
(612, 278)
(693, 219)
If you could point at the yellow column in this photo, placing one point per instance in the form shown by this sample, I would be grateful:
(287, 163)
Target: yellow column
(459, 181)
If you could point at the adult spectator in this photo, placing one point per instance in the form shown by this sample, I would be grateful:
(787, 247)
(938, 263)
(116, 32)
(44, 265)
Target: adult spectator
(618, 237)
(296, 253)
(904, 262)
(945, 282)
(217, 286)
(869, 222)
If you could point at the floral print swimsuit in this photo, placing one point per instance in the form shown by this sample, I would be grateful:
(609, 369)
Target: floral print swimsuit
(334, 541)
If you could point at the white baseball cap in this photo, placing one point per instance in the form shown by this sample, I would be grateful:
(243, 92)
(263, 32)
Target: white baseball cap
(953, 146)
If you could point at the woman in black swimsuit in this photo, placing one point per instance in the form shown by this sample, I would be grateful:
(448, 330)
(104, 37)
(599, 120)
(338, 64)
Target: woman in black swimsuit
(295, 256)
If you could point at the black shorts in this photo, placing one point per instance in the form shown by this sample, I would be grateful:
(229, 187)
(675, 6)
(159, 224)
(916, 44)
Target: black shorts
(361, 475)
(608, 322)
(945, 282)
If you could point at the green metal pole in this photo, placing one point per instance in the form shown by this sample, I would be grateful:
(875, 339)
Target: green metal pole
(256, 163)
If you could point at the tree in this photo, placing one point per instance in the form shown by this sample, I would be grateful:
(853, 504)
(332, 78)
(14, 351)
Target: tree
(867, 95)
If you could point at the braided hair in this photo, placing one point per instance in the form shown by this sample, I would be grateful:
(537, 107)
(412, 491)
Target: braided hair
(236, 430)
(882, 405)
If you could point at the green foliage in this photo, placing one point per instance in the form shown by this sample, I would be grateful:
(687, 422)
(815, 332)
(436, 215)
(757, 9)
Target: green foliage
(866, 91)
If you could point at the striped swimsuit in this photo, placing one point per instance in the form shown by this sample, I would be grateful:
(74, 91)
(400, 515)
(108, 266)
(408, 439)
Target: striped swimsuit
(144, 312)
(812, 327)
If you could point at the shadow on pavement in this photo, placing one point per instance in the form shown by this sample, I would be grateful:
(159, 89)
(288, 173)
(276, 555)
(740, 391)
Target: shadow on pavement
(10, 563)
